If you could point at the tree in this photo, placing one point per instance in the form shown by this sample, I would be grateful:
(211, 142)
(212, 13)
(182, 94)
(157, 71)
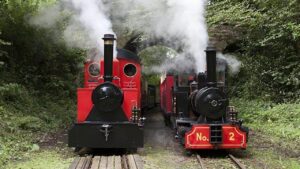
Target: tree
(267, 42)
(35, 58)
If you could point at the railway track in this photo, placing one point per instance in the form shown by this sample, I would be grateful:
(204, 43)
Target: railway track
(234, 160)
(130, 161)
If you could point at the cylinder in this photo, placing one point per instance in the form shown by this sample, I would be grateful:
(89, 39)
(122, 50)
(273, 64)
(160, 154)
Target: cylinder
(108, 56)
(211, 62)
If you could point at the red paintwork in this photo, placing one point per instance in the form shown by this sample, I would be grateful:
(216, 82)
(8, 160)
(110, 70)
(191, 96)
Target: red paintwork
(198, 137)
(84, 103)
(131, 87)
(166, 94)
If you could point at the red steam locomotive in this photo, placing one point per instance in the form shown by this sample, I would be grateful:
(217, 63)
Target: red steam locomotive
(108, 106)
(198, 108)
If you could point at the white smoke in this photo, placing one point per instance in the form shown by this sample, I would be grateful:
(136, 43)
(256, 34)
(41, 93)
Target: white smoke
(233, 63)
(180, 22)
(47, 17)
(179, 63)
(85, 28)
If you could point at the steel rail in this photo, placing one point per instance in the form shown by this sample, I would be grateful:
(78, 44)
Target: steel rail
(200, 161)
(236, 162)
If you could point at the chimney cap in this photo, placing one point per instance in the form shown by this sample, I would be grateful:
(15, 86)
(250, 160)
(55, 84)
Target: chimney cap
(109, 37)
(210, 48)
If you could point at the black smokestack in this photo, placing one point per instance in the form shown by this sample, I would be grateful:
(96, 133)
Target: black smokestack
(211, 62)
(108, 56)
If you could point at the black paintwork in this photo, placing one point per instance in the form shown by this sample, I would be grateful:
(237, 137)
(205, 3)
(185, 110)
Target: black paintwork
(108, 57)
(109, 116)
(182, 101)
(107, 97)
(211, 62)
(201, 80)
(92, 135)
(210, 102)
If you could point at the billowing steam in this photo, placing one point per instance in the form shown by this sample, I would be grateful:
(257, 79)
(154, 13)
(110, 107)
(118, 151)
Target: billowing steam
(233, 63)
(86, 27)
(178, 22)
(179, 63)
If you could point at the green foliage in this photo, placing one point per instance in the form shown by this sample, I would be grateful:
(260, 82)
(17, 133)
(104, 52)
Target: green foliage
(13, 92)
(278, 120)
(35, 57)
(25, 116)
(269, 44)
(153, 58)
(38, 74)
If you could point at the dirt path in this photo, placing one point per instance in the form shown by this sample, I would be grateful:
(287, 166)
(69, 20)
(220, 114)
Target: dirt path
(161, 148)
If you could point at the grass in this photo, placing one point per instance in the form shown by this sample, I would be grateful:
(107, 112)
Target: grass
(166, 158)
(282, 121)
(42, 160)
(25, 117)
(276, 132)
(271, 160)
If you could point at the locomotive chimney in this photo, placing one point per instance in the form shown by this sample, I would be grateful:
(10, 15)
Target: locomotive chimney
(108, 56)
(211, 61)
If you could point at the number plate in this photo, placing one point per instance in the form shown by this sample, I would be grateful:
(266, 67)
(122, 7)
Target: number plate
(198, 138)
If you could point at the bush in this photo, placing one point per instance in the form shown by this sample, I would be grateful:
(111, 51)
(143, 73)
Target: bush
(13, 92)
(25, 116)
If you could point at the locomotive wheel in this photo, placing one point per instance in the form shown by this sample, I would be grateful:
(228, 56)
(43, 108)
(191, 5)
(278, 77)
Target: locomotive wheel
(181, 134)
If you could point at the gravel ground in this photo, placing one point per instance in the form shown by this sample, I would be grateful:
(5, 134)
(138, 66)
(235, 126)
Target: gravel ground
(161, 148)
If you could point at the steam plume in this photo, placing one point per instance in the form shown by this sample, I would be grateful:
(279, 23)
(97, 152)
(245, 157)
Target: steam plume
(181, 20)
(85, 28)
(233, 63)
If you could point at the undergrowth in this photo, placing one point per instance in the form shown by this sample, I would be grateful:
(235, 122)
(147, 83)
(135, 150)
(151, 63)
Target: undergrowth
(24, 116)
(279, 121)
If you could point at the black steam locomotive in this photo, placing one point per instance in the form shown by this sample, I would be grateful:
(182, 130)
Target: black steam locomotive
(200, 109)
